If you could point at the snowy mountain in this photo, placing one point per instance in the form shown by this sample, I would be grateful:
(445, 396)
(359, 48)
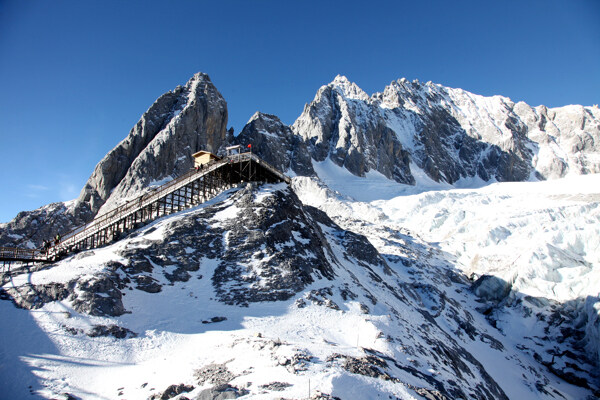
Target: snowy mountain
(450, 134)
(370, 276)
(179, 123)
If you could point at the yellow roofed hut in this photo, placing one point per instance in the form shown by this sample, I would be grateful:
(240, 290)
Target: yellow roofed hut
(204, 157)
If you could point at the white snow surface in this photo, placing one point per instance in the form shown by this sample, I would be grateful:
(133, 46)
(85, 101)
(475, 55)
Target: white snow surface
(542, 236)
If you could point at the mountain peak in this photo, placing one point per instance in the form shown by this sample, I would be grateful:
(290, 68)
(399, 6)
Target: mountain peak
(348, 89)
(199, 76)
(259, 115)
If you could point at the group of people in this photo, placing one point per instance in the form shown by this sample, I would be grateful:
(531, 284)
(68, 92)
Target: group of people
(48, 243)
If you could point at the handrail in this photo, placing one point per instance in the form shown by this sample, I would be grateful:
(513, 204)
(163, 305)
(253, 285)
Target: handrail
(135, 204)
(131, 206)
(19, 253)
(143, 200)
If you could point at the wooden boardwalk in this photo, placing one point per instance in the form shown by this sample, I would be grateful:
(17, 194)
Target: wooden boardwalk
(188, 190)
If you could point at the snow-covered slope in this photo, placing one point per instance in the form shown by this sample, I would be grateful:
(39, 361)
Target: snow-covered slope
(531, 248)
(541, 240)
(269, 296)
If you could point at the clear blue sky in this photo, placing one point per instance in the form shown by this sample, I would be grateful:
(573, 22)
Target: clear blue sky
(75, 76)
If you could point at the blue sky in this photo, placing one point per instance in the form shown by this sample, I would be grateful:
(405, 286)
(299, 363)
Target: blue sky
(75, 76)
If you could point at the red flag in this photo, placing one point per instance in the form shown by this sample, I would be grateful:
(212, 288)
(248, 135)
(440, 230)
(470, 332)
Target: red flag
(249, 146)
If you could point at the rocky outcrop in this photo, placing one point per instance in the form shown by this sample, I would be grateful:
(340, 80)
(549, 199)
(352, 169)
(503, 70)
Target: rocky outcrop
(269, 248)
(447, 133)
(275, 143)
(189, 118)
(448, 140)
(30, 228)
(159, 147)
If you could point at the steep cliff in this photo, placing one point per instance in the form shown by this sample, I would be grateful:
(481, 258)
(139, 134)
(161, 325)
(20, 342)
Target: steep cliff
(161, 144)
(274, 142)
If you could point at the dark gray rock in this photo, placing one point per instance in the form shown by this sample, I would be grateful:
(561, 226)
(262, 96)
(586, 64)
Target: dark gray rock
(276, 386)
(275, 143)
(491, 288)
(216, 374)
(147, 284)
(189, 118)
(32, 297)
(298, 362)
(267, 230)
(448, 133)
(221, 392)
(268, 225)
(111, 330)
(30, 228)
(214, 320)
(339, 124)
(172, 391)
(99, 296)
(370, 366)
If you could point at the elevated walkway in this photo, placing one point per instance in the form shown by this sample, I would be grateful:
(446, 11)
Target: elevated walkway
(188, 190)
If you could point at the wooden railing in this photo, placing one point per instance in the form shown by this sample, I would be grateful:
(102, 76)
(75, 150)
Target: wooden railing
(105, 220)
(134, 205)
(17, 254)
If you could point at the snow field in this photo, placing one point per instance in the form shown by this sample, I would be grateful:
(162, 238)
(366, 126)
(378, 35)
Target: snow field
(480, 231)
(173, 340)
(541, 236)
(544, 236)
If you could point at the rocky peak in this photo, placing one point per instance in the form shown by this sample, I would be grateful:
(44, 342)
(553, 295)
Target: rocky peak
(349, 90)
(448, 133)
(274, 142)
(180, 122)
(161, 144)
(343, 125)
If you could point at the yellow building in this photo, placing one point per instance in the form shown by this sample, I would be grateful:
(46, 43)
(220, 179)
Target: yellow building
(204, 157)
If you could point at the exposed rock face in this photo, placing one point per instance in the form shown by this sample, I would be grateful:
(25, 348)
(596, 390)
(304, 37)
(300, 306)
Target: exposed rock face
(448, 133)
(264, 245)
(563, 336)
(161, 144)
(275, 143)
(30, 228)
(270, 248)
(98, 295)
(448, 140)
(341, 124)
